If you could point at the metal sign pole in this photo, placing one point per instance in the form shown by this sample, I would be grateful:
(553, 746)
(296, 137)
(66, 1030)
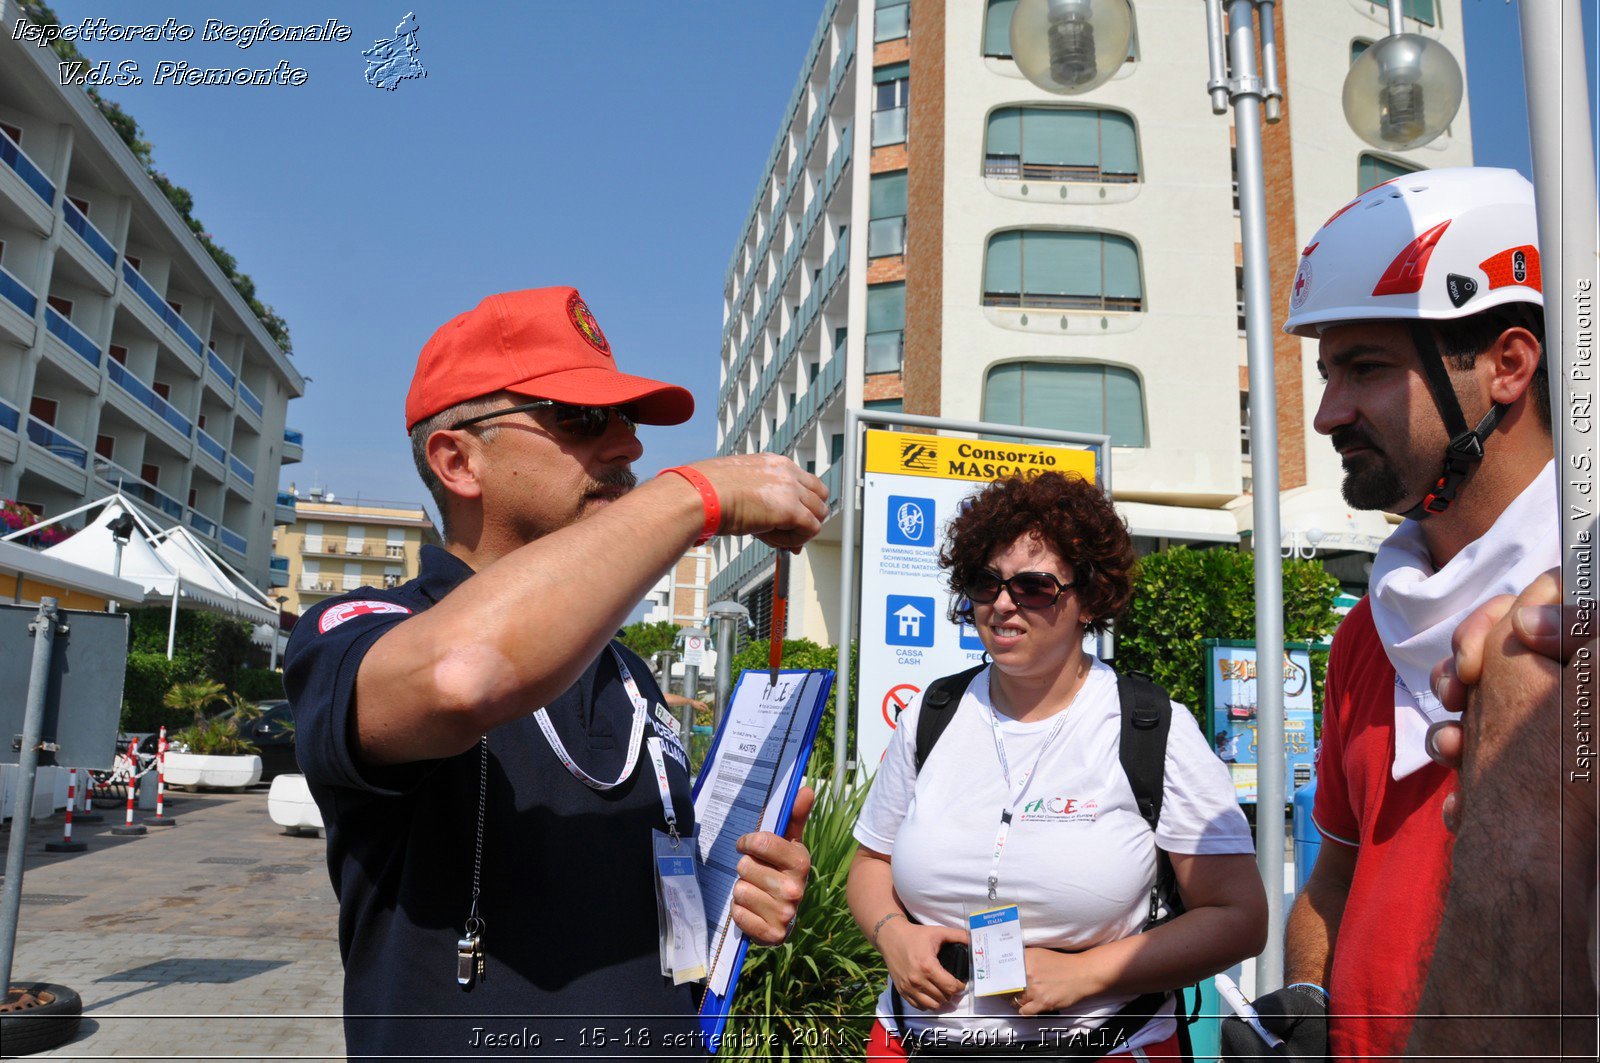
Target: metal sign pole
(44, 636)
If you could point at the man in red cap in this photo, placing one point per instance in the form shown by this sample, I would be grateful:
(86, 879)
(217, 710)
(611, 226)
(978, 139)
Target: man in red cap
(473, 737)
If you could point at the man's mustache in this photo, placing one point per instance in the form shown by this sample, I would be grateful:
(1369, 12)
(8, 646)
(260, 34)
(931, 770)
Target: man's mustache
(623, 478)
(1352, 437)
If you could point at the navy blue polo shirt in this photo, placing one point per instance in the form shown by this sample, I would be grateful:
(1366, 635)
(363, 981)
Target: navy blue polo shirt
(568, 897)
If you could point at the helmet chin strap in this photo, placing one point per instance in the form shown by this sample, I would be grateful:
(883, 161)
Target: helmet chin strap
(1465, 449)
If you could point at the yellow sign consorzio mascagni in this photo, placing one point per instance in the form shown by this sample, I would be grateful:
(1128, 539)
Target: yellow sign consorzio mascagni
(951, 458)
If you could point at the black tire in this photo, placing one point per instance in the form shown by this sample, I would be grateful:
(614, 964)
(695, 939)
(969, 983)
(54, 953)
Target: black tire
(43, 1026)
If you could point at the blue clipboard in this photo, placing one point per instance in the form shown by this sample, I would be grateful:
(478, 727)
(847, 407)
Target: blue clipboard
(714, 1008)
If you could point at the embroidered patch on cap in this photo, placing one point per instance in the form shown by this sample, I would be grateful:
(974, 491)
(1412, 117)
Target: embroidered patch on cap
(587, 326)
(350, 610)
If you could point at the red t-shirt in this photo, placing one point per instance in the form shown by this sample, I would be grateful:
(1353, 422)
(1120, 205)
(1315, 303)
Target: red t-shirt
(1385, 940)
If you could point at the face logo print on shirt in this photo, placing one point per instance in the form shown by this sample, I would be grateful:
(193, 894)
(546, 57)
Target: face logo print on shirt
(1060, 809)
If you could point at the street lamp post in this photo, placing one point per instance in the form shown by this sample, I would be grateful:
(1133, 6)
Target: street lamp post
(1248, 90)
(1404, 90)
(277, 629)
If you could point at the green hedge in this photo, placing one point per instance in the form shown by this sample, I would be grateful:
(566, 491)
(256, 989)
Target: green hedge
(1182, 597)
(207, 646)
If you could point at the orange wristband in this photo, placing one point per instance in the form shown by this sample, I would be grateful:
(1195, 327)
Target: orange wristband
(708, 499)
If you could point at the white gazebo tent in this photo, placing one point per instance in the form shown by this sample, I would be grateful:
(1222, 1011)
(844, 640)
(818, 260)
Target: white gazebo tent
(170, 564)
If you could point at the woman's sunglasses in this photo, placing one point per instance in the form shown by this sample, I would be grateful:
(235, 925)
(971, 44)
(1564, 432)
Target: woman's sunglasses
(584, 422)
(1029, 590)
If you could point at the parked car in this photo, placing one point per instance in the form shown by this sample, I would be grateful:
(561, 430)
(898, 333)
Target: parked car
(272, 732)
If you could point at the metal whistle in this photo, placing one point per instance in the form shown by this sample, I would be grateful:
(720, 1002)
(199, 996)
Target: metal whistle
(470, 966)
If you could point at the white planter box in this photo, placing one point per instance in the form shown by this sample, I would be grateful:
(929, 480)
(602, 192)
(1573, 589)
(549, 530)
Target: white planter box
(290, 805)
(222, 773)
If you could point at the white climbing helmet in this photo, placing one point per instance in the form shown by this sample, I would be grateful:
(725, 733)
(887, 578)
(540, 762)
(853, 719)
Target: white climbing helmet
(1425, 246)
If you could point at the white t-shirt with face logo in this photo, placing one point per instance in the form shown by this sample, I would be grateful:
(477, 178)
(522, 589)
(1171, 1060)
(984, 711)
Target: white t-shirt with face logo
(1079, 861)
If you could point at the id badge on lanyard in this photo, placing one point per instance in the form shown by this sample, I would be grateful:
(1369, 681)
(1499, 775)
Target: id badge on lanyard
(998, 964)
(674, 865)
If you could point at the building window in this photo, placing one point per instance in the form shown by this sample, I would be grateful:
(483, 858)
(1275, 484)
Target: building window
(886, 405)
(1421, 10)
(1061, 144)
(997, 31)
(1070, 397)
(13, 132)
(893, 20)
(891, 97)
(886, 233)
(60, 305)
(1373, 170)
(1238, 298)
(106, 447)
(1358, 48)
(886, 323)
(1062, 270)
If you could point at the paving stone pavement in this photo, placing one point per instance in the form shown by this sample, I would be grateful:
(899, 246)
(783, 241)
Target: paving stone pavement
(216, 938)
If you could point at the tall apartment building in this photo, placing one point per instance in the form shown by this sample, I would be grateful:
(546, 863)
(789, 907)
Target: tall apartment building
(127, 359)
(680, 595)
(935, 235)
(332, 547)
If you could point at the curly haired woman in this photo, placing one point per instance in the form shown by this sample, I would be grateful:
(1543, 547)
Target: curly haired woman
(1024, 802)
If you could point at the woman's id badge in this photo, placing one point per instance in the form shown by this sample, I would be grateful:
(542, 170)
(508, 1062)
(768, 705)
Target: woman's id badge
(997, 963)
(679, 907)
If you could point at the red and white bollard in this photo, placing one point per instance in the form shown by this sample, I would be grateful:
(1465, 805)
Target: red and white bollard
(86, 813)
(128, 825)
(66, 844)
(161, 819)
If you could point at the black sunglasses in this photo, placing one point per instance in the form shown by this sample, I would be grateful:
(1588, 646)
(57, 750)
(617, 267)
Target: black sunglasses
(585, 422)
(1028, 590)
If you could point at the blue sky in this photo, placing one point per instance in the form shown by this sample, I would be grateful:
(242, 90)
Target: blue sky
(610, 144)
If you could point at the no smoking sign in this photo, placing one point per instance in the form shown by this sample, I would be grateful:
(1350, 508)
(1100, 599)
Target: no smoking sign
(895, 702)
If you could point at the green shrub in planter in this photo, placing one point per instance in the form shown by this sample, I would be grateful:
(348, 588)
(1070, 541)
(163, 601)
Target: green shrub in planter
(213, 738)
(813, 997)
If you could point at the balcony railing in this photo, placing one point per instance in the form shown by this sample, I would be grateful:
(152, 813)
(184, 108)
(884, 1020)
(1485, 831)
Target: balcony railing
(174, 321)
(892, 23)
(210, 445)
(68, 333)
(249, 399)
(1011, 167)
(279, 566)
(10, 416)
(1057, 301)
(17, 293)
(124, 379)
(85, 228)
(203, 525)
(13, 156)
(294, 436)
(334, 583)
(135, 487)
(342, 547)
(885, 351)
(232, 539)
(220, 367)
(241, 470)
(62, 446)
(886, 236)
(286, 499)
(889, 127)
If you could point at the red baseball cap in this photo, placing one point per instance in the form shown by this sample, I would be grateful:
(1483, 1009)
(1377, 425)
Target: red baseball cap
(540, 342)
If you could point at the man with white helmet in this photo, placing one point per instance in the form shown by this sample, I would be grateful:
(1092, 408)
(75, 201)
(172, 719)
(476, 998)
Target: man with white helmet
(1424, 297)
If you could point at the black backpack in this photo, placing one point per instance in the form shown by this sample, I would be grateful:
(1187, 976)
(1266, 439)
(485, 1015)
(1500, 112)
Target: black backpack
(1146, 719)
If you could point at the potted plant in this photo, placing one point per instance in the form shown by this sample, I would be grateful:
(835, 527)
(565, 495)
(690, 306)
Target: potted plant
(212, 752)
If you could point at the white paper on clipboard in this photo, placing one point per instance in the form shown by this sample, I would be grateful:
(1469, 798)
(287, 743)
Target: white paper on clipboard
(755, 760)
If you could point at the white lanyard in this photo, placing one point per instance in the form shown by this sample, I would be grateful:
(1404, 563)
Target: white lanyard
(1017, 796)
(640, 711)
(654, 745)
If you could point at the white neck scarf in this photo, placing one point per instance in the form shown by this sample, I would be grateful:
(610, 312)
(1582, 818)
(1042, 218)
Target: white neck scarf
(1416, 609)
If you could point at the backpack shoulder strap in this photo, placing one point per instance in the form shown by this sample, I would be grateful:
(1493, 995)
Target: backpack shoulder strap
(939, 708)
(1146, 719)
